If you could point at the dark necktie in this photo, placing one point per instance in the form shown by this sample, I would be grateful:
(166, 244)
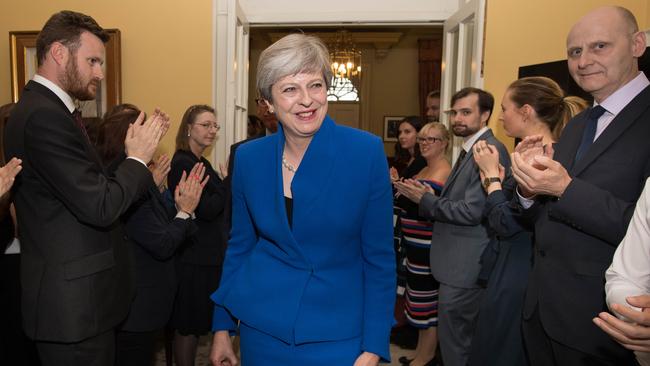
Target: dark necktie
(80, 123)
(459, 160)
(590, 131)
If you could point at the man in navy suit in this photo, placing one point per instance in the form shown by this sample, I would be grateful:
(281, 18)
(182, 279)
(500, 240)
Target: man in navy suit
(583, 198)
(77, 270)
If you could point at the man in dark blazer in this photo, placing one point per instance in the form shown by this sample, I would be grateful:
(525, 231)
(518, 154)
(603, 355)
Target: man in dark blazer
(77, 275)
(460, 233)
(584, 197)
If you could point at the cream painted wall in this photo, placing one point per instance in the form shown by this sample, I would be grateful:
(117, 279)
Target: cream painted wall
(518, 34)
(166, 48)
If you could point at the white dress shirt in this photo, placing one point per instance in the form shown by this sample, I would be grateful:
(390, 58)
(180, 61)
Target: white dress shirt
(629, 273)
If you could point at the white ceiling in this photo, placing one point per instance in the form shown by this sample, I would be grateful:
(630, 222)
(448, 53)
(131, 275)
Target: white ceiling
(351, 11)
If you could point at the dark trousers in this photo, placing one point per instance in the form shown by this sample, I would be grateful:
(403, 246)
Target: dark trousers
(95, 351)
(457, 314)
(135, 348)
(15, 348)
(542, 350)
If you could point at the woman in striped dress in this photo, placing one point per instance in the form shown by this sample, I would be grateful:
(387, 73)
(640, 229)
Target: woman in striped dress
(421, 288)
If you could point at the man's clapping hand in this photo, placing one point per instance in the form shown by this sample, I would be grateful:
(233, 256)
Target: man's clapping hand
(142, 138)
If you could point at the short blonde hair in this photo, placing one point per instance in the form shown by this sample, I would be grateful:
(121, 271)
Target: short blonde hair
(444, 132)
(291, 55)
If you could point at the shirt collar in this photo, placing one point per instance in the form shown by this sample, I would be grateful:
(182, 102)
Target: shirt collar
(65, 97)
(470, 140)
(615, 103)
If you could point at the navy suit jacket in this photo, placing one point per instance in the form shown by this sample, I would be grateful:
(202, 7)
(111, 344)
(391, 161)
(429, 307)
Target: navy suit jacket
(577, 234)
(76, 267)
(331, 275)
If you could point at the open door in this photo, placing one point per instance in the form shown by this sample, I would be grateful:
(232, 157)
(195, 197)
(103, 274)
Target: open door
(231, 76)
(462, 55)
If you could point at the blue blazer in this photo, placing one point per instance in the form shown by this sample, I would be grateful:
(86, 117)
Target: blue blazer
(331, 275)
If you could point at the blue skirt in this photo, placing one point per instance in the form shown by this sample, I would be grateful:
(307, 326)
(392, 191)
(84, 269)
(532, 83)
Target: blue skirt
(261, 349)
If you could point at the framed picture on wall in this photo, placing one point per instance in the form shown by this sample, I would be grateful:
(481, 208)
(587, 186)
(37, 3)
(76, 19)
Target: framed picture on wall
(391, 123)
(22, 48)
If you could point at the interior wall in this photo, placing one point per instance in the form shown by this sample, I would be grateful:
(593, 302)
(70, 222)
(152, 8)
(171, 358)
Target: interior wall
(166, 48)
(393, 78)
(517, 35)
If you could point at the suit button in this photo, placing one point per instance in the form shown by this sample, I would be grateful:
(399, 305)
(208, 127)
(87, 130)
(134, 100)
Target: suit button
(542, 253)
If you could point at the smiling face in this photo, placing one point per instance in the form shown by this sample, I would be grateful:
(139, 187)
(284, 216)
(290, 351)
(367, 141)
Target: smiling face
(432, 143)
(83, 70)
(203, 131)
(300, 103)
(602, 51)
(512, 117)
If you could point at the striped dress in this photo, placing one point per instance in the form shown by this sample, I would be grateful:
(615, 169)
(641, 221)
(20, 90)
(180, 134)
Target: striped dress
(421, 288)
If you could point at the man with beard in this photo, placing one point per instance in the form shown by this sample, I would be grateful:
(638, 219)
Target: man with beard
(459, 232)
(77, 276)
(433, 106)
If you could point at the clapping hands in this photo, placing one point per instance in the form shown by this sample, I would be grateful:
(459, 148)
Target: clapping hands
(535, 170)
(189, 189)
(159, 170)
(412, 189)
(633, 334)
(8, 174)
(142, 138)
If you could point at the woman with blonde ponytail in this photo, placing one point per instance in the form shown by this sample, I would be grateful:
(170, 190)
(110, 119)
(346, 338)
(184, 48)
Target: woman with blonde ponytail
(530, 106)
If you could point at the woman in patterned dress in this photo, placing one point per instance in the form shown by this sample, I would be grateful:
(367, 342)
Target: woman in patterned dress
(421, 288)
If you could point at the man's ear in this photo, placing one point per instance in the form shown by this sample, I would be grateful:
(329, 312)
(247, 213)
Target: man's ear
(638, 44)
(485, 116)
(59, 53)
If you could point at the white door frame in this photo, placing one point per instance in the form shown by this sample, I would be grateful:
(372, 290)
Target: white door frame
(462, 55)
(230, 69)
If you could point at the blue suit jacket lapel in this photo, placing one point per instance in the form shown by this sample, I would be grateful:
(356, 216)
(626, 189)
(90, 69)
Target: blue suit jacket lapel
(316, 167)
(308, 182)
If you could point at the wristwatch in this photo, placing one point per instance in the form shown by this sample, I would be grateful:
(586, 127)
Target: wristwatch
(489, 180)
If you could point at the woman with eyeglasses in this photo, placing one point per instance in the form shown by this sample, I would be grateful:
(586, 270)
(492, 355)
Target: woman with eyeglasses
(201, 256)
(421, 288)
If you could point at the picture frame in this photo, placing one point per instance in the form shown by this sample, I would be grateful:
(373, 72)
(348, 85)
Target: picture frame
(22, 48)
(391, 124)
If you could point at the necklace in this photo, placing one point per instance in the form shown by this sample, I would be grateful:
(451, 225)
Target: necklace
(286, 164)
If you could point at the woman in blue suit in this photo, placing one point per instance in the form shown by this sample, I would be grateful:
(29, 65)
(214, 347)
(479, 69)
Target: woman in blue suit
(310, 269)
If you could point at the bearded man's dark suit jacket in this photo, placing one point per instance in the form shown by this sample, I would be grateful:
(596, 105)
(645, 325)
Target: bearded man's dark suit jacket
(77, 270)
(577, 234)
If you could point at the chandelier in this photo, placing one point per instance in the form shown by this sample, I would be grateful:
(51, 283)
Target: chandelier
(346, 59)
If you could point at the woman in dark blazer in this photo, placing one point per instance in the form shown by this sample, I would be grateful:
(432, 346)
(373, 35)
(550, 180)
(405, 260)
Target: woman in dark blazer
(156, 229)
(201, 255)
(310, 267)
(530, 106)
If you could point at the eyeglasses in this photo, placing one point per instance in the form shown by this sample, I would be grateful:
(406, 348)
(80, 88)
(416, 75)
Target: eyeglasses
(210, 125)
(428, 140)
